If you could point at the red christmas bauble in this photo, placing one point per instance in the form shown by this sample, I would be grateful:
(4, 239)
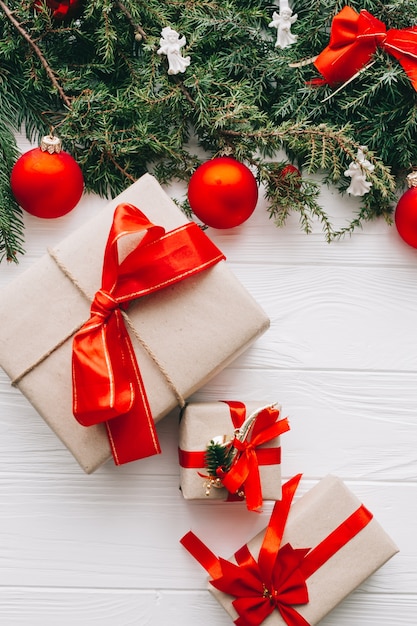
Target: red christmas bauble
(405, 216)
(47, 183)
(223, 192)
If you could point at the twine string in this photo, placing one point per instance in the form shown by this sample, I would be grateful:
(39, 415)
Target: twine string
(128, 321)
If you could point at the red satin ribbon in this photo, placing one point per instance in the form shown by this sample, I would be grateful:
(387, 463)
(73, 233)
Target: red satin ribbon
(245, 471)
(355, 37)
(107, 384)
(278, 580)
(195, 459)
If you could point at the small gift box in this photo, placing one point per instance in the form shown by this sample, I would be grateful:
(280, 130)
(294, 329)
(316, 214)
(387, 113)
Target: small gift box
(309, 558)
(231, 450)
(121, 322)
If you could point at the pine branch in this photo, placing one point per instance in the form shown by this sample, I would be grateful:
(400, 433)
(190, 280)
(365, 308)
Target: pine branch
(99, 80)
(37, 51)
(217, 458)
(11, 222)
(139, 32)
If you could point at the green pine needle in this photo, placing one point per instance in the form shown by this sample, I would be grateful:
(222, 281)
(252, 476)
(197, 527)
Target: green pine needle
(98, 80)
(217, 457)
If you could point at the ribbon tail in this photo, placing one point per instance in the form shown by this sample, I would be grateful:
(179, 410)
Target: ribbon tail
(275, 530)
(132, 435)
(252, 611)
(108, 387)
(237, 475)
(292, 617)
(202, 554)
(252, 483)
(101, 371)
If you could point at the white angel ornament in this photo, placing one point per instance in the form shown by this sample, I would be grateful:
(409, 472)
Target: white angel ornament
(283, 21)
(171, 44)
(359, 186)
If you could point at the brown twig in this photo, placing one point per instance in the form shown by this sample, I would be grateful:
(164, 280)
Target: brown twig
(37, 51)
(111, 158)
(184, 90)
(136, 27)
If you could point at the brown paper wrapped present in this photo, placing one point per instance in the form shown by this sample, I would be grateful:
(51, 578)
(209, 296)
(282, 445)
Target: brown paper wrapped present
(310, 557)
(182, 335)
(256, 461)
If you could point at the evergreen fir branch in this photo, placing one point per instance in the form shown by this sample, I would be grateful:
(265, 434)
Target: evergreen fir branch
(217, 457)
(99, 81)
(289, 193)
(23, 33)
(11, 221)
(137, 28)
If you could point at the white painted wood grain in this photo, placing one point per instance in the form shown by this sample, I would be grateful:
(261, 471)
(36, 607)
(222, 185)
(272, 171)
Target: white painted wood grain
(341, 358)
(151, 608)
(110, 533)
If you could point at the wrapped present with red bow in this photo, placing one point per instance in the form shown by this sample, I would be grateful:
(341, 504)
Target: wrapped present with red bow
(310, 557)
(230, 450)
(118, 324)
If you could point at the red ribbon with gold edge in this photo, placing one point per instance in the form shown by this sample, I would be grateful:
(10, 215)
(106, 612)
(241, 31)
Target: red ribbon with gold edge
(278, 579)
(354, 39)
(107, 384)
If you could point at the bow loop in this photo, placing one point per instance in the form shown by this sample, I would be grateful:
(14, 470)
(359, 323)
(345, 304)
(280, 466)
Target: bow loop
(354, 39)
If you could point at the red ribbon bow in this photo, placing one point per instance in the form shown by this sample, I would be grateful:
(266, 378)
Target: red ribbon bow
(355, 37)
(107, 384)
(278, 580)
(245, 470)
(61, 8)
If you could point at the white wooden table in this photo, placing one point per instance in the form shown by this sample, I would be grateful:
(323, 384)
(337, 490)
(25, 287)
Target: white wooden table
(341, 358)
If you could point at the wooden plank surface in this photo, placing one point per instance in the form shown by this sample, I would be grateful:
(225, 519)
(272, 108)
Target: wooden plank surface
(341, 358)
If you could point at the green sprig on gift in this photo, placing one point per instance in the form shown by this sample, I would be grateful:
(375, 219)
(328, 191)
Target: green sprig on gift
(96, 78)
(218, 460)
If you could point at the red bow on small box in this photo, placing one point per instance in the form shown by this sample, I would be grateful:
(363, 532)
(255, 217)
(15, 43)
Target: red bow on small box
(355, 37)
(107, 384)
(245, 470)
(278, 580)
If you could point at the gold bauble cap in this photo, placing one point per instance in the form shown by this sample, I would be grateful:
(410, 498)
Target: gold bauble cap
(51, 144)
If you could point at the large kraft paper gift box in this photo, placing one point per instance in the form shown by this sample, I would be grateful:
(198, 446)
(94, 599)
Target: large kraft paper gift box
(185, 333)
(311, 556)
(256, 467)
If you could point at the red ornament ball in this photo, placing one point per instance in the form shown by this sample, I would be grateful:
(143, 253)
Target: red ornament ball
(223, 192)
(405, 217)
(46, 183)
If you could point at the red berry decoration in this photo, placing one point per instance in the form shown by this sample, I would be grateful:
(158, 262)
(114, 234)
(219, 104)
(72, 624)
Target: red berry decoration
(290, 171)
(46, 181)
(223, 192)
(406, 212)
